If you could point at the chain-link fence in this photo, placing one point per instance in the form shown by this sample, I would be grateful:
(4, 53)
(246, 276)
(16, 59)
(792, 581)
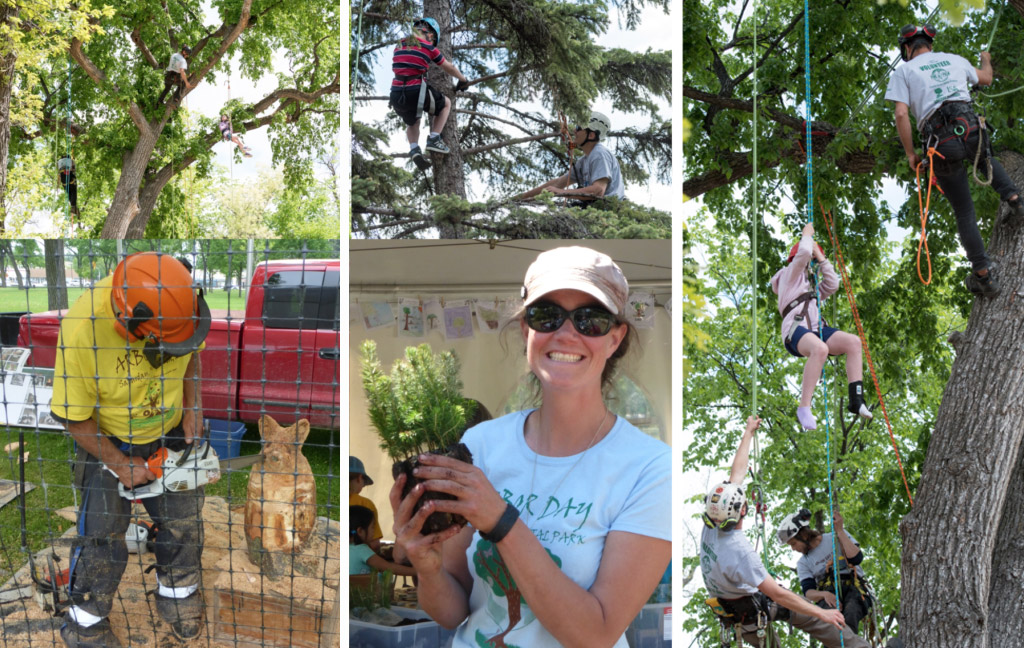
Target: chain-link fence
(169, 424)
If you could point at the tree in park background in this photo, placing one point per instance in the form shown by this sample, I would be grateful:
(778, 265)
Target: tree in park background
(514, 53)
(128, 146)
(967, 499)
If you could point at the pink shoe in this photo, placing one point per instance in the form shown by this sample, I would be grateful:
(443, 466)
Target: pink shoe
(807, 422)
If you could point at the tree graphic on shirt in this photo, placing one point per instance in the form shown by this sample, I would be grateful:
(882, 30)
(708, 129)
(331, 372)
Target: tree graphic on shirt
(491, 568)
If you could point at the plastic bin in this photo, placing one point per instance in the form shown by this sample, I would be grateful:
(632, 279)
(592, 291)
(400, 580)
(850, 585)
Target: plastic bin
(226, 437)
(652, 628)
(421, 635)
(9, 323)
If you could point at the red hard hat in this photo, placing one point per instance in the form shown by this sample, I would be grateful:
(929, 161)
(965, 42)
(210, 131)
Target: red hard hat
(793, 251)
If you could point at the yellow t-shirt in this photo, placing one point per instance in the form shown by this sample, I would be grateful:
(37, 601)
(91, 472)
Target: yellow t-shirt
(100, 375)
(359, 500)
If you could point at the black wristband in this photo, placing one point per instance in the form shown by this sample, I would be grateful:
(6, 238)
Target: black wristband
(504, 525)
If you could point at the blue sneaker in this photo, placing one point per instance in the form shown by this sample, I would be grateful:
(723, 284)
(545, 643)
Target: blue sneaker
(422, 163)
(435, 144)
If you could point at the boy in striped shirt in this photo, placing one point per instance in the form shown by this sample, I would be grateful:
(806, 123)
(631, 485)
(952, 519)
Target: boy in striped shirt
(411, 95)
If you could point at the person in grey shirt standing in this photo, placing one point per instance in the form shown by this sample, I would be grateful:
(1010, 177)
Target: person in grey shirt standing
(596, 173)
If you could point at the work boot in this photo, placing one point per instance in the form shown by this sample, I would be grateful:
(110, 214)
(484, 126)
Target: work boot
(1016, 207)
(987, 286)
(807, 421)
(857, 405)
(435, 144)
(422, 163)
(98, 635)
(184, 615)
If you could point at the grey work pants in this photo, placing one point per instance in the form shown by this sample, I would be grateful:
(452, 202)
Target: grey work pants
(826, 633)
(103, 518)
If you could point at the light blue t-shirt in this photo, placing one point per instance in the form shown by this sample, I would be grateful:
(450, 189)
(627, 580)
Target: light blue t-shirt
(929, 80)
(598, 164)
(357, 557)
(818, 561)
(622, 483)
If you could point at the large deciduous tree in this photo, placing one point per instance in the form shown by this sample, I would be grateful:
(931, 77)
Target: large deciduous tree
(513, 53)
(130, 144)
(961, 536)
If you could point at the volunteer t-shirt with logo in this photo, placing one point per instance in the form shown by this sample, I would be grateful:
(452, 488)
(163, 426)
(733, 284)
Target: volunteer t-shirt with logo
(818, 561)
(113, 383)
(929, 80)
(730, 565)
(178, 63)
(622, 483)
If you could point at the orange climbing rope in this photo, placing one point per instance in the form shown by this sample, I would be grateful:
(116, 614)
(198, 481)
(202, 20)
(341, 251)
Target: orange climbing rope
(569, 140)
(925, 207)
(863, 340)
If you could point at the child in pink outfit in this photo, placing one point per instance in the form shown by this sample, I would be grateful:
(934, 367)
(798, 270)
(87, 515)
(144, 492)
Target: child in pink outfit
(804, 333)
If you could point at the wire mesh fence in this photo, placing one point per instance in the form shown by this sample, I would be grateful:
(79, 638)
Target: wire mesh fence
(169, 425)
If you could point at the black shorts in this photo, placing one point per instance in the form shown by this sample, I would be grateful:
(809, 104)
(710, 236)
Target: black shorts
(403, 100)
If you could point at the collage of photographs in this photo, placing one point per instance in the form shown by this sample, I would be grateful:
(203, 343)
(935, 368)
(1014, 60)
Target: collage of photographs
(668, 321)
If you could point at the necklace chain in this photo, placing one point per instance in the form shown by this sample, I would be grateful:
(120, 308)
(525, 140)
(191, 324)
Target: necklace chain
(533, 475)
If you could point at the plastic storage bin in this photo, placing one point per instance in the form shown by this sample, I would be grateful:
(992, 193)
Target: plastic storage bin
(652, 628)
(226, 437)
(421, 635)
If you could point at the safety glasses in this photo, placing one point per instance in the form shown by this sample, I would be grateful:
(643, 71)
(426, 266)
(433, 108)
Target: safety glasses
(910, 31)
(592, 321)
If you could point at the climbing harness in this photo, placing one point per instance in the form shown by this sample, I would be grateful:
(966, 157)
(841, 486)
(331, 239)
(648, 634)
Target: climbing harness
(754, 610)
(841, 265)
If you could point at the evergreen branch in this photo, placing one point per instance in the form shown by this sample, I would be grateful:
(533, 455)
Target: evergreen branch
(519, 140)
(490, 116)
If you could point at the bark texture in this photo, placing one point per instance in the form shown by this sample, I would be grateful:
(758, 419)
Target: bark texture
(56, 282)
(1007, 595)
(951, 549)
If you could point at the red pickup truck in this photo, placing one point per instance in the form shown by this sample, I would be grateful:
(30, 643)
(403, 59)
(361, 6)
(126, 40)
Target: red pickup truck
(281, 358)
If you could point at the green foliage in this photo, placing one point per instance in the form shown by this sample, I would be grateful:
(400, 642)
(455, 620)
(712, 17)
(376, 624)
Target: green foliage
(419, 406)
(377, 594)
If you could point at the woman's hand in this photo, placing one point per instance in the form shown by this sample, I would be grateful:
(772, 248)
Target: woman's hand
(423, 551)
(753, 423)
(809, 229)
(477, 501)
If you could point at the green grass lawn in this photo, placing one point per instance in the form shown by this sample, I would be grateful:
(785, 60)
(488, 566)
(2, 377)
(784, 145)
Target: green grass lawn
(33, 300)
(49, 467)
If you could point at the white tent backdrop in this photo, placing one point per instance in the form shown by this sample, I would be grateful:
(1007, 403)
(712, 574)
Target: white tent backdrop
(453, 270)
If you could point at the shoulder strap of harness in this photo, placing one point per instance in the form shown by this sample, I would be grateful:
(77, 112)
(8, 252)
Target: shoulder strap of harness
(804, 299)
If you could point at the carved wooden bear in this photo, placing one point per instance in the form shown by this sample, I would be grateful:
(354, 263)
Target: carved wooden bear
(280, 510)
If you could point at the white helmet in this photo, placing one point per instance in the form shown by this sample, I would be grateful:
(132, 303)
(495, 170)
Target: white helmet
(791, 525)
(600, 124)
(724, 506)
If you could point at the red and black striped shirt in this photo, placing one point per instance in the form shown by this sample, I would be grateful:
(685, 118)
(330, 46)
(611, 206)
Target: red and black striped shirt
(410, 63)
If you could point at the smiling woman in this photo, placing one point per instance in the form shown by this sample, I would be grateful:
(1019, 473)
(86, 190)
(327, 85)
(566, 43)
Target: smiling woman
(542, 529)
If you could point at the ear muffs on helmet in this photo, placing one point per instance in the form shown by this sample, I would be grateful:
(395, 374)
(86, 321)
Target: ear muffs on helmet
(910, 32)
(724, 506)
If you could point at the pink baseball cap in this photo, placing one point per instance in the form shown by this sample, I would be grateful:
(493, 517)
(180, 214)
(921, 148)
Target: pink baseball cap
(576, 268)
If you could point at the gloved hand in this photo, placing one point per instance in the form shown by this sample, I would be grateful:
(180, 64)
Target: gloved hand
(461, 85)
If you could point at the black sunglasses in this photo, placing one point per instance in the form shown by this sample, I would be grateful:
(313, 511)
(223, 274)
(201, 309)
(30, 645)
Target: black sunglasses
(592, 321)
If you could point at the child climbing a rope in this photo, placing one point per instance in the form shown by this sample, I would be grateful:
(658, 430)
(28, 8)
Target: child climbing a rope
(935, 87)
(805, 334)
(230, 136)
(66, 174)
(411, 95)
(176, 74)
(744, 595)
(814, 568)
(596, 173)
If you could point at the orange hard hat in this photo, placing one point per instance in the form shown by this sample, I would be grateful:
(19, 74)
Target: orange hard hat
(154, 299)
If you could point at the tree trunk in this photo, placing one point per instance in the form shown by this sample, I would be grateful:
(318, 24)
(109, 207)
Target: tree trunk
(1008, 564)
(7, 11)
(6, 246)
(3, 268)
(951, 554)
(125, 205)
(449, 170)
(147, 199)
(56, 282)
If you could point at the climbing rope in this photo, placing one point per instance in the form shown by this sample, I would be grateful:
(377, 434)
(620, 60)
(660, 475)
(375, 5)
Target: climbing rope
(570, 144)
(841, 265)
(925, 207)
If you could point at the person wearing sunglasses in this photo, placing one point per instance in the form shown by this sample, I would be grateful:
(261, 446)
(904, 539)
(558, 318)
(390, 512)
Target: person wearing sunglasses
(807, 277)
(569, 505)
(935, 86)
(741, 591)
(596, 173)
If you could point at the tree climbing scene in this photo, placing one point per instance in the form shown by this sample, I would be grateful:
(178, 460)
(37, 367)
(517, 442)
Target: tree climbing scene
(852, 394)
(169, 118)
(524, 119)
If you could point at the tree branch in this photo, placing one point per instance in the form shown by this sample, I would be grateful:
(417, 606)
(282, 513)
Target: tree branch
(99, 78)
(489, 116)
(146, 54)
(520, 140)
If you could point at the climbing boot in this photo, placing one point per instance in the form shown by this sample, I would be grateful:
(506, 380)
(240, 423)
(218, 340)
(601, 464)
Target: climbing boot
(98, 635)
(435, 144)
(807, 420)
(987, 286)
(184, 615)
(857, 405)
(422, 163)
(1016, 208)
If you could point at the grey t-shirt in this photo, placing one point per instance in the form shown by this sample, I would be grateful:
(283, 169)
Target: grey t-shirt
(598, 164)
(929, 80)
(178, 63)
(731, 567)
(816, 562)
